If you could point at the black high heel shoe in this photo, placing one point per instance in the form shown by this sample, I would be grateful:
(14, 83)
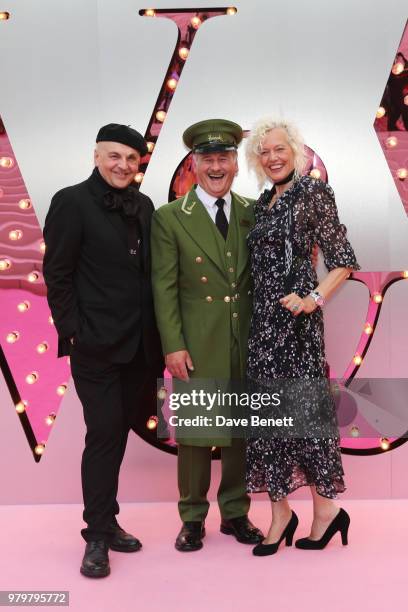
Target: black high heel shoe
(340, 523)
(262, 550)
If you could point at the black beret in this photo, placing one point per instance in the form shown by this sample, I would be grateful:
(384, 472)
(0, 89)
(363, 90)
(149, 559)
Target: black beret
(115, 132)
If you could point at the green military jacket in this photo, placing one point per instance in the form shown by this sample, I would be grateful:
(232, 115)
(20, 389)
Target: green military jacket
(202, 288)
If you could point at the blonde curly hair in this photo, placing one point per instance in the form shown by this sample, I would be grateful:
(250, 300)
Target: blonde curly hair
(258, 133)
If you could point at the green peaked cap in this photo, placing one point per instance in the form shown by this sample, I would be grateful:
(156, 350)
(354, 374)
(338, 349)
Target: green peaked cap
(213, 135)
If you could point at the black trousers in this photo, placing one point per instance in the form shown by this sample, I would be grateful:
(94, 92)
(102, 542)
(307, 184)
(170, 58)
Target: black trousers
(109, 393)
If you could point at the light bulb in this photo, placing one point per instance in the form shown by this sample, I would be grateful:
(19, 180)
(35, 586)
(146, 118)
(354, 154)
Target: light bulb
(5, 264)
(397, 68)
(139, 177)
(385, 443)
(15, 234)
(50, 418)
(381, 112)
(315, 173)
(231, 10)
(183, 52)
(161, 115)
(42, 347)
(150, 13)
(40, 448)
(23, 306)
(32, 378)
(172, 83)
(377, 298)
(391, 142)
(404, 274)
(6, 162)
(12, 337)
(402, 173)
(152, 423)
(4, 16)
(21, 406)
(61, 389)
(368, 329)
(196, 22)
(33, 277)
(24, 204)
(357, 360)
(162, 393)
(42, 246)
(150, 147)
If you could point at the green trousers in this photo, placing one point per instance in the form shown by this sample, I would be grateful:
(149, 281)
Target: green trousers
(194, 473)
(194, 477)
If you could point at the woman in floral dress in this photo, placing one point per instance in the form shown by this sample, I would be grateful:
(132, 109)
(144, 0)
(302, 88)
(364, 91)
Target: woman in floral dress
(287, 336)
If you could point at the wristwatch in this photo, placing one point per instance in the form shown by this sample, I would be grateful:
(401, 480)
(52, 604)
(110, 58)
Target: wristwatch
(318, 299)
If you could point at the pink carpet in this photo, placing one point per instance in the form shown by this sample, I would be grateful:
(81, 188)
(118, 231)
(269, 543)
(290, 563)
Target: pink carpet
(41, 549)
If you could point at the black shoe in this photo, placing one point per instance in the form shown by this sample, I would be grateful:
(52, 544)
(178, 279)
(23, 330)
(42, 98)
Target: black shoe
(95, 563)
(243, 530)
(122, 541)
(262, 550)
(340, 523)
(190, 536)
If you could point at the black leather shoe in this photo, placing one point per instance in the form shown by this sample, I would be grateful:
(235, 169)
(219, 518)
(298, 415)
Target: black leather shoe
(243, 530)
(122, 541)
(190, 536)
(95, 563)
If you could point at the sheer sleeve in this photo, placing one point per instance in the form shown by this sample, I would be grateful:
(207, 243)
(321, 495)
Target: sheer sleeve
(330, 234)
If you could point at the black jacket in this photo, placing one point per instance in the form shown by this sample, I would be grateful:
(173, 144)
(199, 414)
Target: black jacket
(99, 293)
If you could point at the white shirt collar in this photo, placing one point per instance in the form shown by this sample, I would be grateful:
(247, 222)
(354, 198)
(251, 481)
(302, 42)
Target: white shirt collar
(209, 200)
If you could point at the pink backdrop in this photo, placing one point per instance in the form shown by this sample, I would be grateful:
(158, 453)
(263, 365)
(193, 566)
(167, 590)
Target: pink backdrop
(147, 474)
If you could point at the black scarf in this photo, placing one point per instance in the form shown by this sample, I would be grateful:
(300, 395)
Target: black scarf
(124, 201)
(127, 203)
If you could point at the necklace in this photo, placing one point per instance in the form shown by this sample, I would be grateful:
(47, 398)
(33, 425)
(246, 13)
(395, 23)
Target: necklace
(285, 180)
(274, 194)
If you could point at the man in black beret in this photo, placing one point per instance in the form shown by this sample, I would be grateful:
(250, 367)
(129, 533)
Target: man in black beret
(97, 271)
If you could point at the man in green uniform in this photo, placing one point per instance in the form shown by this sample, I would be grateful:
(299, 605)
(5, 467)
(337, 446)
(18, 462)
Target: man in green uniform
(202, 294)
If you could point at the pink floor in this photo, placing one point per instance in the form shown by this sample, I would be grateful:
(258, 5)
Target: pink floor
(41, 549)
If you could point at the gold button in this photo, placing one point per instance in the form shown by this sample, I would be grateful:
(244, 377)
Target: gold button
(199, 260)
(233, 285)
(204, 279)
(209, 299)
(235, 315)
(227, 299)
(230, 269)
(229, 254)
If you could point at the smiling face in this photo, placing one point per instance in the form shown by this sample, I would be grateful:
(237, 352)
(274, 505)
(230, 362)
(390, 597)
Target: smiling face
(117, 163)
(276, 155)
(216, 171)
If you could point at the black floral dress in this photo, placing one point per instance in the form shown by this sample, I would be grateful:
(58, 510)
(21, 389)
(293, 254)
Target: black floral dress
(283, 348)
